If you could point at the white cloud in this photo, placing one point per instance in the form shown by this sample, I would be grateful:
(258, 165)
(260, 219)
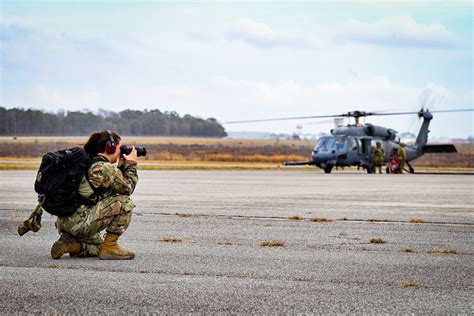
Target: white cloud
(261, 35)
(252, 32)
(400, 30)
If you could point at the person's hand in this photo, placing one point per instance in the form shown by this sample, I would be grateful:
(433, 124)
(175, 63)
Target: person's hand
(132, 156)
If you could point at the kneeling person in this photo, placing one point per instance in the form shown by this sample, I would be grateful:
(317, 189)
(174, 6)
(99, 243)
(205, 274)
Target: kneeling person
(108, 188)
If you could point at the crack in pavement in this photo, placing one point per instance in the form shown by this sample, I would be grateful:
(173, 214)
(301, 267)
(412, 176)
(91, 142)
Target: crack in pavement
(306, 219)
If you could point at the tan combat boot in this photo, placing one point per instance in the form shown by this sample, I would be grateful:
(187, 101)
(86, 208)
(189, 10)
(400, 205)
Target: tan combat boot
(65, 244)
(110, 250)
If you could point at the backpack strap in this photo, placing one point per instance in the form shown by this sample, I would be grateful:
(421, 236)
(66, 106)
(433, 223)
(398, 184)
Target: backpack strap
(33, 222)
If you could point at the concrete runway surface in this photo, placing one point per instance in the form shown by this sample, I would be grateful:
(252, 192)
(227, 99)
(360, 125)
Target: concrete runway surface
(223, 216)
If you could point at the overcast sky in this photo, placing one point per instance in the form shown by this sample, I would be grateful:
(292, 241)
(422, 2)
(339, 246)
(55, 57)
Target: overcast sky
(238, 61)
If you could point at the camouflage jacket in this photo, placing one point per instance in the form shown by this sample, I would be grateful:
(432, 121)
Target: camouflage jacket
(108, 180)
(402, 153)
(378, 152)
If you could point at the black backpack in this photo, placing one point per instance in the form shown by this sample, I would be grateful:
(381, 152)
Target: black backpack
(58, 179)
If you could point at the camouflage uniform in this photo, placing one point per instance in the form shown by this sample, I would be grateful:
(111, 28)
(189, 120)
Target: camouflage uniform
(378, 154)
(113, 212)
(402, 154)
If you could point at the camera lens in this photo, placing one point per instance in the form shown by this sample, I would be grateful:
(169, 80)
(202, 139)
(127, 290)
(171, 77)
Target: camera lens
(141, 151)
(126, 150)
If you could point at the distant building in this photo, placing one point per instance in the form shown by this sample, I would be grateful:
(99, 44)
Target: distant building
(461, 141)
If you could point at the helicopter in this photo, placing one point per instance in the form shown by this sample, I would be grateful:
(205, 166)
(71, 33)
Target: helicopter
(351, 145)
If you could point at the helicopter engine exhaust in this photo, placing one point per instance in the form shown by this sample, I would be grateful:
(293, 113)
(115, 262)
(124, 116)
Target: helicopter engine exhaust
(378, 131)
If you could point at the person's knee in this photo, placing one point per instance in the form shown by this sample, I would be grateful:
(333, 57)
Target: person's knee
(119, 204)
(119, 223)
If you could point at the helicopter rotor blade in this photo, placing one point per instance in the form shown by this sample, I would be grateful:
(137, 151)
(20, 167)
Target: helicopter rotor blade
(284, 119)
(348, 114)
(407, 113)
(447, 111)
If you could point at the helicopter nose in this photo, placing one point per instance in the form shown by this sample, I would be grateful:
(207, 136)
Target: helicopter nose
(320, 157)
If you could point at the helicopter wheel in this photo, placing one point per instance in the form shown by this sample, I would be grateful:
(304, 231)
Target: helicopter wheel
(328, 169)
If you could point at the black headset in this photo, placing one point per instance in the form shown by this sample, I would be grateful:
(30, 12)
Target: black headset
(110, 144)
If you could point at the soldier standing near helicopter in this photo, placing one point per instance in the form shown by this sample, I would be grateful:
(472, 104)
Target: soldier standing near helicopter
(402, 155)
(378, 154)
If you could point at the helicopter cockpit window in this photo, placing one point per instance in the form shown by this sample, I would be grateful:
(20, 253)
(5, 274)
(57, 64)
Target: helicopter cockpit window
(338, 143)
(325, 142)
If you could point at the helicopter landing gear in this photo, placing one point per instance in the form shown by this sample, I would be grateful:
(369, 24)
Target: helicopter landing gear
(370, 169)
(328, 168)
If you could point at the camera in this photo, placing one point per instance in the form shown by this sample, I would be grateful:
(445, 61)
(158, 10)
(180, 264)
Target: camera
(126, 150)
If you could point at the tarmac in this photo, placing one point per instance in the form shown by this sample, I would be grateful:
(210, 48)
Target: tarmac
(220, 219)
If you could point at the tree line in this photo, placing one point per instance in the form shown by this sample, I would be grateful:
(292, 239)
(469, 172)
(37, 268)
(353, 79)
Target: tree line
(18, 122)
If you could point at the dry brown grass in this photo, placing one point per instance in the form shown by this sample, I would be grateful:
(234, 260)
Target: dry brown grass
(371, 220)
(55, 266)
(446, 251)
(183, 215)
(295, 218)
(175, 148)
(225, 243)
(15, 215)
(321, 219)
(377, 240)
(272, 243)
(247, 158)
(170, 239)
(463, 159)
(406, 249)
(344, 219)
(213, 150)
(14, 166)
(409, 284)
(300, 279)
(416, 221)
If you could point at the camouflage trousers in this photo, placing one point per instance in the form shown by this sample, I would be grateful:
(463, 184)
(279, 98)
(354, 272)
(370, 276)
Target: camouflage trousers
(378, 161)
(402, 165)
(113, 214)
